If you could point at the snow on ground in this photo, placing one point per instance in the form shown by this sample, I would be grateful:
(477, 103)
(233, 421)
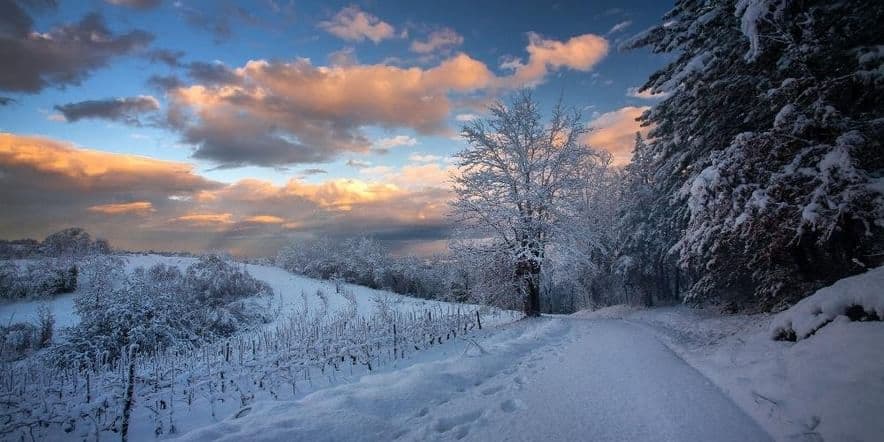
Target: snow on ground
(555, 378)
(860, 296)
(619, 373)
(292, 293)
(829, 386)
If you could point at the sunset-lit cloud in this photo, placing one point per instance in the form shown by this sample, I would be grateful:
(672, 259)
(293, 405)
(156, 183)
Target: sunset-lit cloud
(353, 24)
(545, 55)
(84, 168)
(440, 39)
(272, 113)
(264, 219)
(615, 132)
(135, 207)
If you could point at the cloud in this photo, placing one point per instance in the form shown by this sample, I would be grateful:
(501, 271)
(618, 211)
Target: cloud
(343, 57)
(276, 113)
(205, 219)
(398, 140)
(634, 92)
(620, 26)
(211, 73)
(264, 219)
(441, 39)
(46, 185)
(125, 110)
(220, 19)
(63, 56)
(358, 163)
(313, 171)
(135, 207)
(64, 165)
(424, 158)
(615, 132)
(353, 24)
(6, 101)
(136, 4)
(544, 55)
(168, 57)
(465, 117)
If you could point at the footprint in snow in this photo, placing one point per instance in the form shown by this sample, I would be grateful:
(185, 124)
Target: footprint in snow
(492, 390)
(445, 424)
(511, 405)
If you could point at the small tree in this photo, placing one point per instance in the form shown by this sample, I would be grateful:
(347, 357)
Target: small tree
(519, 181)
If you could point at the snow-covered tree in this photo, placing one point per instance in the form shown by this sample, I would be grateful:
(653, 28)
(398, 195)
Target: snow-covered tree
(766, 156)
(518, 183)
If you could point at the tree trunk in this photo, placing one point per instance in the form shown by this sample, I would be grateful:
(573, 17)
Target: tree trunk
(532, 283)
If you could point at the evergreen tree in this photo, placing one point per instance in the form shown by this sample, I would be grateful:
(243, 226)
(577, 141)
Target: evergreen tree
(766, 156)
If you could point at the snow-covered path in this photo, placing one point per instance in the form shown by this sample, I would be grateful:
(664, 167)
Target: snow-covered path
(556, 378)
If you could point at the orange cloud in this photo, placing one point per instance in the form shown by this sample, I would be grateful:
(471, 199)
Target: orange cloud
(93, 168)
(579, 53)
(135, 207)
(206, 219)
(353, 24)
(264, 219)
(615, 132)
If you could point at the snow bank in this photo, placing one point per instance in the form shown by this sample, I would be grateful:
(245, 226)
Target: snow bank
(858, 297)
(830, 387)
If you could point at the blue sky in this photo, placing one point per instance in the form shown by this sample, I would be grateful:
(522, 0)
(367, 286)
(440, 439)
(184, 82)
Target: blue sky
(275, 103)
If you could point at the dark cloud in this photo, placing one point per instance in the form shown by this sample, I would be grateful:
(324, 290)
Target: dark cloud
(63, 56)
(232, 140)
(164, 82)
(123, 109)
(166, 56)
(313, 171)
(5, 101)
(136, 4)
(211, 73)
(219, 20)
(14, 20)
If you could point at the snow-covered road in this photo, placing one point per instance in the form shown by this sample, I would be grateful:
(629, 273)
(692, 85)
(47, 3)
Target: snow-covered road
(555, 378)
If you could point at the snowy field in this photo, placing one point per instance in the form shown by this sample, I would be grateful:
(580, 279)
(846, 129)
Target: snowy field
(323, 334)
(292, 292)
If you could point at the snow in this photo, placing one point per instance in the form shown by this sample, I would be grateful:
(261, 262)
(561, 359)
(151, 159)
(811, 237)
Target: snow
(555, 378)
(812, 313)
(287, 287)
(829, 386)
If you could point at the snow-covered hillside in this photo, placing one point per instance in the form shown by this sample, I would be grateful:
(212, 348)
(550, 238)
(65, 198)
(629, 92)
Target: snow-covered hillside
(292, 293)
(320, 334)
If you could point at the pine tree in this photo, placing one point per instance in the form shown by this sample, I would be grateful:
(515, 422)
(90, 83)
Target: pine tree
(766, 156)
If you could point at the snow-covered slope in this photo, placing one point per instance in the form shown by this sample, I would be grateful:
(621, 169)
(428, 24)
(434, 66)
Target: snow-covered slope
(293, 293)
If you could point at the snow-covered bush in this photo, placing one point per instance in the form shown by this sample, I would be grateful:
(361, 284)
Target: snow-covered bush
(857, 298)
(161, 308)
(41, 278)
(19, 339)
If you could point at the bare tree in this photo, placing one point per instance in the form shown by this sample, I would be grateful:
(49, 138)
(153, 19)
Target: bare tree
(519, 181)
